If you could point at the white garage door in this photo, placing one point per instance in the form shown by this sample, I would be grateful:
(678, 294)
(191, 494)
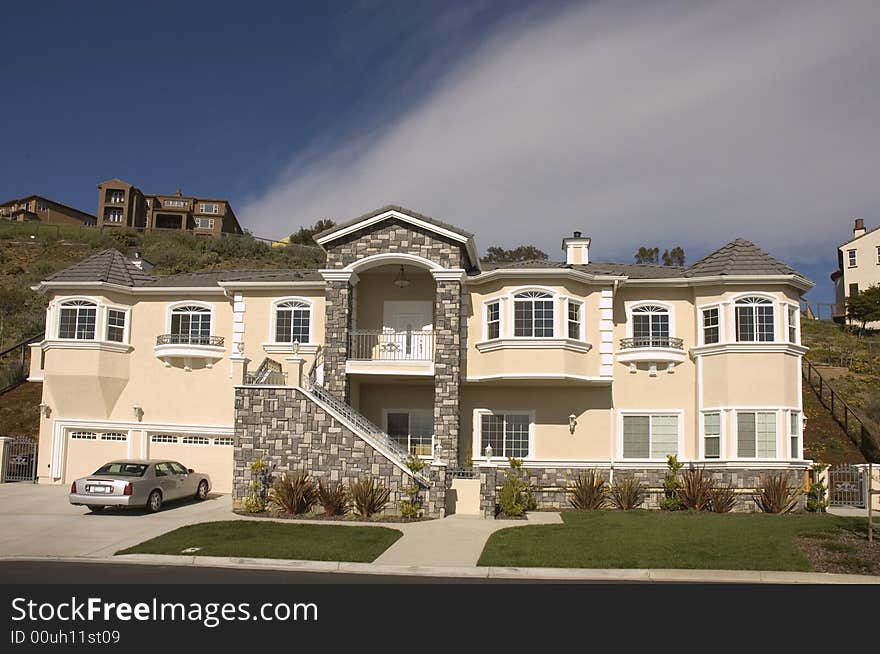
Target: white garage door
(202, 452)
(89, 450)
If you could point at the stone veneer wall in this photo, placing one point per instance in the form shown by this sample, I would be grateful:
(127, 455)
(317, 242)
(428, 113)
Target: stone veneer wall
(291, 431)
(447, 368)
(338, 323)
(488, 490)
(550, 484)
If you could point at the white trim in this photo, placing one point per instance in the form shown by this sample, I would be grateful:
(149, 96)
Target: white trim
(631, 464)
(334, 275)
(126, 328)
(393, 258)
(531, 343)
(621, 413)
(701, 336)
(172, 306)
(635, 304)
(287, 348)
(393, 367)
(477, 428)
(449, 275)
(752, 347)
(317, 284)
(510, 376)
(65, 344)
(273, 321)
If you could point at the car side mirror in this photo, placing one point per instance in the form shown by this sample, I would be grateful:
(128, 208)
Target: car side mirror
(190, 470)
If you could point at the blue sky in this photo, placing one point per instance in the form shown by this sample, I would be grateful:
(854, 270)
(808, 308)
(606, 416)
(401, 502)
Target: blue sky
(639, 123)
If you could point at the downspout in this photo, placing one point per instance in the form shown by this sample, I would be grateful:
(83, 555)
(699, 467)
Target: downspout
(613, 430)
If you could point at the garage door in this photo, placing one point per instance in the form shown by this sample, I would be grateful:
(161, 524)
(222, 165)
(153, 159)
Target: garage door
(206, 453)
(89, 450)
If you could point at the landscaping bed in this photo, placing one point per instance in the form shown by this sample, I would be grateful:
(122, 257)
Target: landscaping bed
(688, 540)
(322, 517)
(273, 540)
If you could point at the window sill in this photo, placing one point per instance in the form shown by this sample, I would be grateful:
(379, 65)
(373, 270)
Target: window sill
(762, 347)
(533, 344)
(73, 344)
(287, 348)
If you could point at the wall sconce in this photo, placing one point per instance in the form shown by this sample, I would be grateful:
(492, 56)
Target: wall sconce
(572, 423)
(488, 453)
(45, 411)
(138, 412)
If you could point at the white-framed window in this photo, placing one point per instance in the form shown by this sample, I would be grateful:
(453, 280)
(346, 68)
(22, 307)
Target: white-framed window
(412, 429)
(650, 326)
(78, 320)
(711, 325)
(116, 325)
(509, 433)
(195, 440)
(533, 315)
(852, 258)
(163, 438)
(293, 321)
(754, 319)
(191, 323)
(650, 436)
(209, 207)
(114, 436)
(113, 215)
(756, 434)
(793, 323)
(223, 440)
(174, 203)
(205, 223)
(493, 319)
(84, 436)
(794, 433)
(575, 319)
(116, 196)
(712, 435)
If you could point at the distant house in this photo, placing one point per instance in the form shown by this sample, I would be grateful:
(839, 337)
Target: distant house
(36, 208)
(858, 266)
(121, 204)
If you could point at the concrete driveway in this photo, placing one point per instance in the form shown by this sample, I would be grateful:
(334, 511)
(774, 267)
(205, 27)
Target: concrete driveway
(38, 520)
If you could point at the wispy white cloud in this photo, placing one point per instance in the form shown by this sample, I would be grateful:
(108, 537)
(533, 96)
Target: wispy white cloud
(666, 123)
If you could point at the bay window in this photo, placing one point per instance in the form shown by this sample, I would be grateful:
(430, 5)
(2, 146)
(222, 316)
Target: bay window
(115, 325)
(756, 434)
(711, 326)
(754, 320)
(493, 320)
(533, 314)
(77, 320)
(795, 434)
(575, 319)
(712, 435)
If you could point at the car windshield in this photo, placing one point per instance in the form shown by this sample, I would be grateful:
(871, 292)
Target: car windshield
(122, 469)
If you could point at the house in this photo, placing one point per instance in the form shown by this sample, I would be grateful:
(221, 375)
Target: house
(858, 267)
(121, 204)
(36, 208)
(407, 345)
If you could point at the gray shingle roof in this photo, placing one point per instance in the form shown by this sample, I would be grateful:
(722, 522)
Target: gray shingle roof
(105, 266)
(631, 270)
(739, 257)
(395, 207)
(211, 278)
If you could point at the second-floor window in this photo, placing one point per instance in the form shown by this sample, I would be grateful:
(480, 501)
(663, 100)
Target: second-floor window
(792, 324)
(293, 322)
(205, 223)
(754, 319)
(209, 207)
(191, 324)
(575, 319)
(493, 320)
(78, 319)
(117, 197)
(650, 326)
(113, 215)
(851, 258)
(711, 326)
(533, 314)
(115, 325)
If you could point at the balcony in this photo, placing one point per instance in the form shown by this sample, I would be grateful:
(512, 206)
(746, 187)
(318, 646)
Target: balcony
(386, 351)
(189, 348)
(651, 350)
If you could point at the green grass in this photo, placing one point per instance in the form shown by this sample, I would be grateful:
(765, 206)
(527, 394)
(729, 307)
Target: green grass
(642, 539)
(273, 540)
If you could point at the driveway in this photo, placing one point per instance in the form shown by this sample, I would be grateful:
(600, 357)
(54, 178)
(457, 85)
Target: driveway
(37, 520)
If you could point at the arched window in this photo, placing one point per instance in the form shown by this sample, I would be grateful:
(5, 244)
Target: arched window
(293, 320)
(533, 314)
(78, 318)
(650, 326)
(754, 319)
(191, 324)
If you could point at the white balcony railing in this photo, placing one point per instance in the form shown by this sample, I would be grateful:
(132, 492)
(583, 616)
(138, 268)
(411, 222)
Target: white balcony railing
(387, 345)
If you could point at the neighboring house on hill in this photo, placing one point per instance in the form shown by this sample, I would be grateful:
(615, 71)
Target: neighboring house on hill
(122, 205)
(36, 208)
(858, 267)
(406, 345)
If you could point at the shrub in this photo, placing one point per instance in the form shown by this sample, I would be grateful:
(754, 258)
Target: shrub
(333, 498)
(589, 492)
(695, 491)
(261, 482)
(774, 494)
(817, 494)
(671, 500)
(517, 495)
(369, 496)
(627, 494)
(296, 494)
(722, 499)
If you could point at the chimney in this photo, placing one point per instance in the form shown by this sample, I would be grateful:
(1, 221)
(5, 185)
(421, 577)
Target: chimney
(140, 263)
(859, 228)
(577, 249)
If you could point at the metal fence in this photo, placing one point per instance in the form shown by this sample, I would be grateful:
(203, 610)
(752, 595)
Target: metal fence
(20, 462)
(846, 485)
(380, 345)
(15, 363)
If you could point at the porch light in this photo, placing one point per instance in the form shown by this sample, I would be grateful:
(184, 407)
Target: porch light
(137, 411)
(572, 422)
(488, 453)
(45, 411)
(401, 281)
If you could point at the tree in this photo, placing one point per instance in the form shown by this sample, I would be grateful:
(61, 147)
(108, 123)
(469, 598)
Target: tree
(305, 234)
(497, 254)
(673, 257)
(647, 255)
(864, 307)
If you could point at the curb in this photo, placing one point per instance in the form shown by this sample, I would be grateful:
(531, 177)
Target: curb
(475, 572)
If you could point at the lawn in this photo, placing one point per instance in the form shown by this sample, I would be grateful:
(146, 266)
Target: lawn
(272, 540)
(642, 539)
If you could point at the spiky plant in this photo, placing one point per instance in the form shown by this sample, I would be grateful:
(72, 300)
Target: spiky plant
(369, 496)
(775, 494)
(333, 497)
(695, 490)
(627, 494)
(296, 494)
(589, 492)
(722, 500)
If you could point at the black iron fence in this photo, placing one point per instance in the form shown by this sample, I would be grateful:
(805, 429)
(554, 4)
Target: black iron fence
(15, 363)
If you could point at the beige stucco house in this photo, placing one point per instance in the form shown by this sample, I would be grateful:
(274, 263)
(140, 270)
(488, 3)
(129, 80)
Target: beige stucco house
(406, 344)
(858, 267)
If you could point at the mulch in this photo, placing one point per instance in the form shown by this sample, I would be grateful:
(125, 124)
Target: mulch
(320, 517)
(846, 552)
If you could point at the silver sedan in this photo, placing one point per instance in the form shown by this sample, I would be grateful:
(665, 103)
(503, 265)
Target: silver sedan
(138, 482)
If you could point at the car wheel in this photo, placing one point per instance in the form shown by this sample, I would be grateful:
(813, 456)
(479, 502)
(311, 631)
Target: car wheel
(202, 493)
(94, 508)
(154, 502)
